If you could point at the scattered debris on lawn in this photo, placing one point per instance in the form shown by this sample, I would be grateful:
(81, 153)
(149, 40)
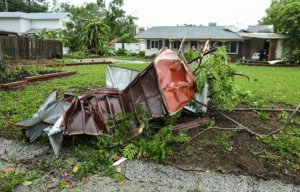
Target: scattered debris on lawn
(163, 88)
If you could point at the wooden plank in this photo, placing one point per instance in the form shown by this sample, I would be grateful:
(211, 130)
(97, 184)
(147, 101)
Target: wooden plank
(20, 48)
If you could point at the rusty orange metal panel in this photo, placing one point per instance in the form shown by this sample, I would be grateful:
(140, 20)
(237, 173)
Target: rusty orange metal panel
(176, 80)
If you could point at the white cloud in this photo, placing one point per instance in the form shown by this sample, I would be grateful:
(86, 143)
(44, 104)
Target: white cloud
(173, 12)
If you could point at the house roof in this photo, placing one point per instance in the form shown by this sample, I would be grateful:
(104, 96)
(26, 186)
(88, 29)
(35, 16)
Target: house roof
(197, 32)
(263, 35)
(33, 15)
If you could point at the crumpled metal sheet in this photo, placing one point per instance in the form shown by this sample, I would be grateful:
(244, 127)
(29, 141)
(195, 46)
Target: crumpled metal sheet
(119, 77)
(47, 115)
(88, 114)
(176, 80)
(162, 88)
(239, 27)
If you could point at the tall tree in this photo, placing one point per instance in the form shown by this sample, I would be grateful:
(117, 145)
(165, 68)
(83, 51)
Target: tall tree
(122, 27)
(27, 6)
(95, 36)
(284, 15)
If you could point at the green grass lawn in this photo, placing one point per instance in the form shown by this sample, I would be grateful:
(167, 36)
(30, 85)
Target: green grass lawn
(272, 84)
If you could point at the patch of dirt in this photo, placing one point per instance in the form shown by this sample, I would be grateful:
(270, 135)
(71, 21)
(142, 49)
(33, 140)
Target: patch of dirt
(245, 155)
(14, 63)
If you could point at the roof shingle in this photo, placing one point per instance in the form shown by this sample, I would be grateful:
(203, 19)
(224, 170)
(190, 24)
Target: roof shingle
(194, 32)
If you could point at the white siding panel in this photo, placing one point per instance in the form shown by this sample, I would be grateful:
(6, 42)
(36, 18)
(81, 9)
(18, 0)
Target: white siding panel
(25, 25)
(279, 49)
(11, 24)
(49, 24)
(131, 47)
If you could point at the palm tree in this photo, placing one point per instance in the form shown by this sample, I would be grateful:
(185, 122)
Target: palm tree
(96, 36)
(42, 34)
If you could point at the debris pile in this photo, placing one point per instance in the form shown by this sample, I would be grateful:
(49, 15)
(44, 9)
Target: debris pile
(163, 88)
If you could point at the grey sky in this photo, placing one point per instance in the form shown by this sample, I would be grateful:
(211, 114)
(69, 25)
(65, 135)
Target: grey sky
(173, 12)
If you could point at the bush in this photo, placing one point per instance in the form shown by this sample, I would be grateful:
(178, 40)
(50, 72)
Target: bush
(77, 55)
(192, 54)
(6, 57)
(141, 53)
(122, 52)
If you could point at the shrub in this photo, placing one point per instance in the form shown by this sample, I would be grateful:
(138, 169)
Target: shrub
(191, 54)
(141, 53)
(122, 52)
(6, 57)
(77, 55)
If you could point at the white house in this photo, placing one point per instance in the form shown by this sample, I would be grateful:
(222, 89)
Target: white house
(131, 47)
(28, 23)
(244, 43)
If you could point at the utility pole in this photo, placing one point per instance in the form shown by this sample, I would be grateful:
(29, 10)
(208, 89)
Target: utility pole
(6, 6)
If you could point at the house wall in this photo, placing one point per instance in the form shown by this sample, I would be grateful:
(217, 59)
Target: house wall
(25, 25)
(246, 49)
(279, 49)
(272, 49)
(11, 24)
(151, 51)
(63, 21)
(131, 47)
(49, 24)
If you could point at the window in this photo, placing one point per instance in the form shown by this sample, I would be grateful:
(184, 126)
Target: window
(154, 44)
(218, 44)
(176, 44)
(234, 47)
(194, 44)
(137, 47)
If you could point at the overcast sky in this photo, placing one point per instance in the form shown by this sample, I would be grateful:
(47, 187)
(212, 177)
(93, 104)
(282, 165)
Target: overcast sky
(173, 12)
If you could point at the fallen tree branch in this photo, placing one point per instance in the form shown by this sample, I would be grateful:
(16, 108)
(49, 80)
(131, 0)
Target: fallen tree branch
(184, 169)
(246, 128)
(136, 133)
(240, 74)
(211, 128)
(290, 119)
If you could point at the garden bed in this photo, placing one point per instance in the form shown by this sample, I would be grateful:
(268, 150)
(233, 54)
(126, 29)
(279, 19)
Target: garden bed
(25, 78)
(14, 63)
(240, 152)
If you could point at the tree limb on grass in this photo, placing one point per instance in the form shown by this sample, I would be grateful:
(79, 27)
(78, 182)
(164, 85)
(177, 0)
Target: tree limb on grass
(241, 74)
(211, 128)
(290, 119)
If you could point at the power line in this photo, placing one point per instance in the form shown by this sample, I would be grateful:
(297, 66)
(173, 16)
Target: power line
(23, 8)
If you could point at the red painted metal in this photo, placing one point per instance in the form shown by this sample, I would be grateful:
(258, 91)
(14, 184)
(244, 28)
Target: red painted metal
(176, 80)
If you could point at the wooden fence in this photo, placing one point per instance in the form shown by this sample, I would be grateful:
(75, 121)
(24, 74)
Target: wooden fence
(19, 48)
